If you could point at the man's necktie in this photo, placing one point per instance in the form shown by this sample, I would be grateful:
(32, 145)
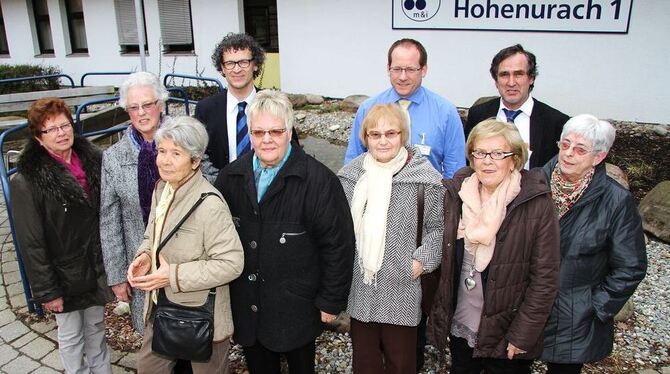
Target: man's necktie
(404, 104)
(242, 130)
(511, 114)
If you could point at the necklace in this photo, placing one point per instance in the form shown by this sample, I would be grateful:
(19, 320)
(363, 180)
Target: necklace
(470, 279)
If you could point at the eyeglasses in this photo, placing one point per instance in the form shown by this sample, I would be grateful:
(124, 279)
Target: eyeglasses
(230, 65)
(145, 107)
(376, 135)
(274, 133)
(397, 70)
(66, 127)
(495, 155)
(564, 145)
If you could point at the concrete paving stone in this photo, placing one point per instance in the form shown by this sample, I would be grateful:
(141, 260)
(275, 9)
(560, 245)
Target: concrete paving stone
(115, 356)
(53, 360)
(13, 331)
(8, 244)
(120, 370)
(6, 317)
(648, 371)
(38, 348)
(2, 292)
(44, 326)
(18, 301)
(7, 353)
(15, 288)
(5, 229)
(665, 370)
(21, 365)
(4, 304)
(25, 339)
(53, 335)
(9, 256)
(129, 360)
(45, 370)
(10, 266)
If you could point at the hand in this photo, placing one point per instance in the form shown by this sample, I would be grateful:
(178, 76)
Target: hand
(122, 291)
(417, 269)
(55, 305)
(140, 266)
(158, 279)
(327, 317)
(512, 350)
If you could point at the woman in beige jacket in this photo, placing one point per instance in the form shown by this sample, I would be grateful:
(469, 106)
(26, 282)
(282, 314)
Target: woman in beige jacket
(205, 252)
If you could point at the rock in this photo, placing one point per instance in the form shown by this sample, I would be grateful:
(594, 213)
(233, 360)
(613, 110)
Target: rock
(655, 211)
(334, 127)
(617, 174)
(352, 102)
(660, 130)
(297, 100)
(314, 99)
(300, 117)
(625, 312)
(122, 308)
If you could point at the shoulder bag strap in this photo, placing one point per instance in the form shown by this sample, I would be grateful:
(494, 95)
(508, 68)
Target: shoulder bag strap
(181, 222)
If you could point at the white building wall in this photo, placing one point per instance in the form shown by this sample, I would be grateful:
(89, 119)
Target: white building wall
(338, 48)
(211, 21)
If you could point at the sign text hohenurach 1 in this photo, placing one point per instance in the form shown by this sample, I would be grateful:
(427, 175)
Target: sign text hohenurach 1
(592, 16)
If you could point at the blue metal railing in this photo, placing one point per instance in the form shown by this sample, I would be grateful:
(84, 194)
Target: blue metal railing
(37, 77)
(184, 99)
(81, 81)
(4, 179)
(194, 77)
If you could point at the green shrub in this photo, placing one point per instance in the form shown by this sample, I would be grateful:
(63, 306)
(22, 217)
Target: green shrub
(16, 71)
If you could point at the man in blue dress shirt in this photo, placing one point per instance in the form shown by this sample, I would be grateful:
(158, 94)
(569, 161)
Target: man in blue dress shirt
(435, 125)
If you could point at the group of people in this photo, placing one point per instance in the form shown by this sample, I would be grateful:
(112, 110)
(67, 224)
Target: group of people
(527, 253)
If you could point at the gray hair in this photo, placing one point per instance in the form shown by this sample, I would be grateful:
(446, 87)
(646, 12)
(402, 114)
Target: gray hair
(142, 79)
(274, 103)
(186, 132)
(600, 133)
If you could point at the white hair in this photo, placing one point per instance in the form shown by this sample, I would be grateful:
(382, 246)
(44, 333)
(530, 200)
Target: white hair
(274, 103)
(186, 132)
(600, 133)
(142, 79)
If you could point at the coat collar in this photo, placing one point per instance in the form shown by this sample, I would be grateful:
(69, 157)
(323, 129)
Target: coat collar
(50, 178)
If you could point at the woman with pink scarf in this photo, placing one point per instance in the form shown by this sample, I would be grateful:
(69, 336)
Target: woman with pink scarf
(500, 257)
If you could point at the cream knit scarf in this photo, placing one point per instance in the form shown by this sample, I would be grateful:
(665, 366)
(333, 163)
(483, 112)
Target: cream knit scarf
(369, 209)
(479, 222)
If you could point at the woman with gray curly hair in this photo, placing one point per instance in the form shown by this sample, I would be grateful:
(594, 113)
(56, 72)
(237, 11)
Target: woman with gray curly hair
(205, 252)
(129, 174)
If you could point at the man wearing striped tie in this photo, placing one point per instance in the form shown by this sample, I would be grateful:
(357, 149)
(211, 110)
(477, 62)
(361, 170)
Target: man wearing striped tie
(240, 59)
(514, 70)
(435, 126)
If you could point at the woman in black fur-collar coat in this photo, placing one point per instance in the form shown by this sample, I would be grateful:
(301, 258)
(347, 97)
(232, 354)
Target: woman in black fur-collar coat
(55, 201)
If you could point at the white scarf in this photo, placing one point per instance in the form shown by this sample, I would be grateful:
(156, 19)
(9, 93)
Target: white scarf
(479, 222)
(369, 209)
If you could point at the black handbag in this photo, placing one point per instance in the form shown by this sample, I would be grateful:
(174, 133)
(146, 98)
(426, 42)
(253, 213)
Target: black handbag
(180, 331)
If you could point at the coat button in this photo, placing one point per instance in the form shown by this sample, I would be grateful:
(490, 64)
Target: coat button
(252, 277)
(448, 244)
(253, 244)
(254, 308)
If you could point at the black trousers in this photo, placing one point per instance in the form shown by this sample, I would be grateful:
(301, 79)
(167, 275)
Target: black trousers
(261, 360)
(462, 361)
(564, 368)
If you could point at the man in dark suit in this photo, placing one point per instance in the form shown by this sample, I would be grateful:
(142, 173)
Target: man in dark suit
(514, 71)
(240, 60)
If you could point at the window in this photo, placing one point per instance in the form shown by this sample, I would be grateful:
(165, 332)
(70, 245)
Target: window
(76, 27)
(43, 27)
(176, 27)
(4, 46)
(126, 24)
(260, 21)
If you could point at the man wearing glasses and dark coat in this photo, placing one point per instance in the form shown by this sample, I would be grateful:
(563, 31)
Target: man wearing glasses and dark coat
(240, 59)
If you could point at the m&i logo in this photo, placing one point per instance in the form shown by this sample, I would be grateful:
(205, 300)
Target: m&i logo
(420, 10)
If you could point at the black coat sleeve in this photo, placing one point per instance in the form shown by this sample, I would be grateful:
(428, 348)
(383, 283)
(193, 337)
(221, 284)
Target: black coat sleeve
(29, 226)
(333, 229)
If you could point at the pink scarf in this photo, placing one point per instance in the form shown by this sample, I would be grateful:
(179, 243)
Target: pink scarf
(480, 222)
